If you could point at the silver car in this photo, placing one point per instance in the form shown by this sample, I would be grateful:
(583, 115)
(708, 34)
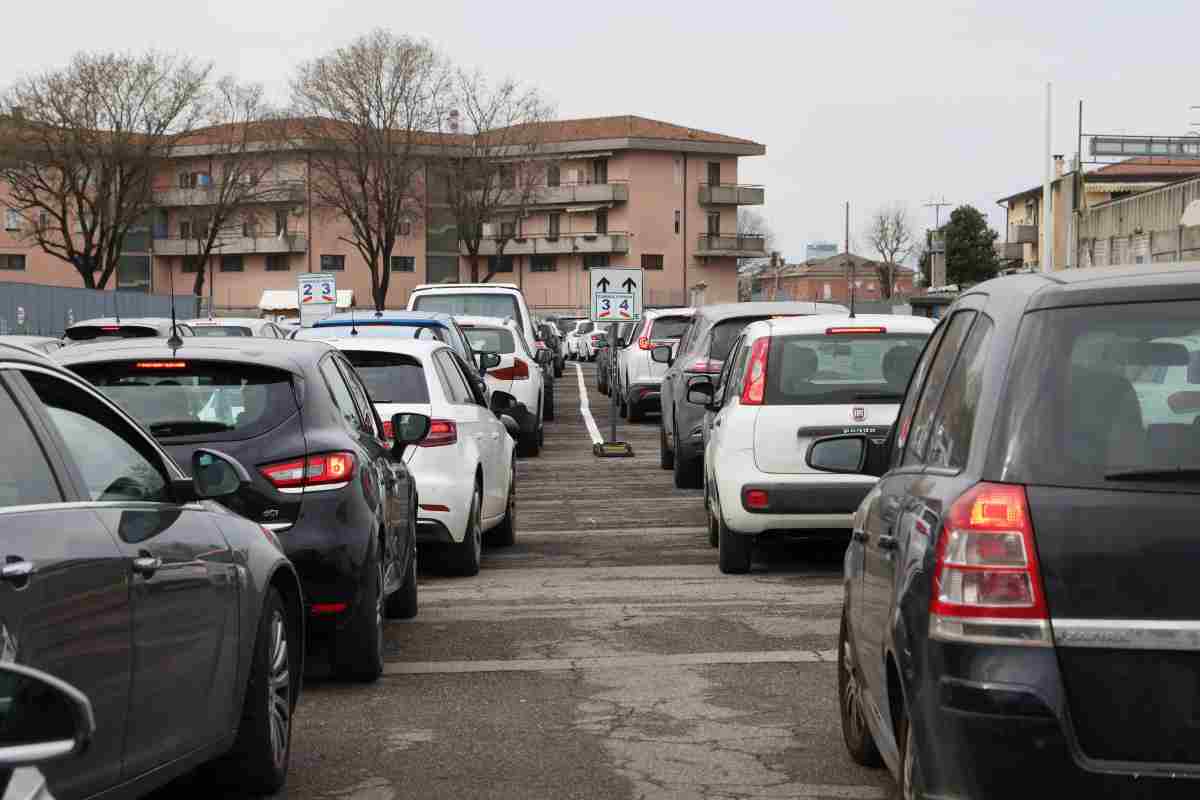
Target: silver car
(638, 379)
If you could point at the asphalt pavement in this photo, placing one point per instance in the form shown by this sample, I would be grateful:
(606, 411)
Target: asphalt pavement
(603, 656)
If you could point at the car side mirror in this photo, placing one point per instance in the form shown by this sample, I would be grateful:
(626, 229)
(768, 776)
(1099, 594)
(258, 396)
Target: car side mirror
(700, 391)
(408, 429)
(661, 354)
(856, 453)
(543, 356)
(488, 360)
(510, 424)
(43, 718)
(216, 474)
(501, 403)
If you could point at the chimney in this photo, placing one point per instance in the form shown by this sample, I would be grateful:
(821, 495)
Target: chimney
(1058, 165)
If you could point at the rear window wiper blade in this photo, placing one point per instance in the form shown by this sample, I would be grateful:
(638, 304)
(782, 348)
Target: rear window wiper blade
(878, 396)
(185, 427)
(1155, 474)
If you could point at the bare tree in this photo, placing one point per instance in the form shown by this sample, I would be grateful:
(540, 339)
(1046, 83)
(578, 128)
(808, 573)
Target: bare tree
(82, 147)
(242, 151)
(366, 112)
(489, 161)
(890, 234)
(753, 223)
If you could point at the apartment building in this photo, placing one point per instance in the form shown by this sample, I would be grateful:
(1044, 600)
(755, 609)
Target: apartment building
(614, 191)
(829, 280)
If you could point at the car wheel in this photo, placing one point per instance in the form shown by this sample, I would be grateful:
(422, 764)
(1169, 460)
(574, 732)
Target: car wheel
(911, 785)
(402, 603)
(602, 384)
(733, 549)
(529, 444)
(505, 534)
(635, 412)
(548, 407)
(666, 458)
(360, 646)
(714, 526)
(264, 739)
(686, 471)
(855, 732)
(468, 553)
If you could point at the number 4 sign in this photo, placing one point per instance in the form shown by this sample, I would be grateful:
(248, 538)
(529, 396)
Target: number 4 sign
(616, 294)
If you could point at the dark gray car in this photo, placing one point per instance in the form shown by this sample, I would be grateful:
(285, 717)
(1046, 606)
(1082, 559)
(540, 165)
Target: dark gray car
(702, 351)
(180, 620)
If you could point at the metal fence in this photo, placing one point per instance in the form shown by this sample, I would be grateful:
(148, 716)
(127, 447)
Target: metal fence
(30, 308)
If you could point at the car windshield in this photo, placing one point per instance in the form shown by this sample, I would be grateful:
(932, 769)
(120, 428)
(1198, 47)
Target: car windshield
(222, 330)
(1104, 393)
(493, 340)
(87, 333)
(390, 377)
(842, 368)
(665, 328)
(498, 305)
(184, 398)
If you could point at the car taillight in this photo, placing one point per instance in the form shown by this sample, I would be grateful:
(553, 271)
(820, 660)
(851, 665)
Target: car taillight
(441, 433)
(539, 345)
(705, 366)
(320, 470)
(644, 343)
(756, 499)
(519, 371)
(987, 587)
(755, 384)
(389, 432)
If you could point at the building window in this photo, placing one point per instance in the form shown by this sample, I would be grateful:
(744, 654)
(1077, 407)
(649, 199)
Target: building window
(406, 229)
(232, 263)
(250, 228)
(600, 170)
(508, 230)
(12, 219)
(441, 269)
(500, 263)
(553, 175)
(12, 263)
(714, 173)
(185, 229)
(43, 220)
(404, 264)
(602, 220)
(677, 220)
(542, 264)
(555, 225)
(278, 262)
(281, 216)
(191, 264)
(714, 223)
(652, 261)
(333, 263)
(508, 176)
(594, 260)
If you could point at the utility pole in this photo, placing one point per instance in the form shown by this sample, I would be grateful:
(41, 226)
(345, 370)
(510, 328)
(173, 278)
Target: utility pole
(849, 261)
(937, 206)
(934, 254)
(1047, 244)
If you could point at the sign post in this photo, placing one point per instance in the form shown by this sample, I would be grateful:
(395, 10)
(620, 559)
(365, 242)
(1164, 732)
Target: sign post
(616, 298)
(316, 297)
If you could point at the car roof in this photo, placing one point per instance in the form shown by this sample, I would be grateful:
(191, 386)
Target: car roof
(21, 338)
(668, 312)
(487, 322)
(228, 321)
(895, 323)
(398, 318)
(292, 355)
(724, 311)
(15, 351)
(144, 321)
(419, 348)
(505, 288)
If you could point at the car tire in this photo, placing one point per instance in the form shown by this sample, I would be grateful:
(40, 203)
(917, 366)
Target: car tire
(911, 784)
(260, 754)
(602, 384)
(548, 407)
(855, 731)
(714, 526)
(528, 444)
(360, 645)
(466, 555)
(733, 549)
(686, 472)
(560, 364)
(505, 534)
(402, 603)
(666, 457)
(635, 412)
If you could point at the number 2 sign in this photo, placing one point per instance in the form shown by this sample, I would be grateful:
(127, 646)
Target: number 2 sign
(316, 297)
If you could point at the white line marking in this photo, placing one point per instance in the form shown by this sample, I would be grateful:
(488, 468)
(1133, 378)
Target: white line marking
(585, 409)
(611, 662)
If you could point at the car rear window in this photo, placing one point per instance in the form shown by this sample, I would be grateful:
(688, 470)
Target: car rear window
(390, 377)
(86, 333)
(185, 399)
(664, 328)
(382, 330)
(724, 333)
(471, 305)
(493, 340)
(1103, 394)
(585, 327)
(841, 368)
(222, 330)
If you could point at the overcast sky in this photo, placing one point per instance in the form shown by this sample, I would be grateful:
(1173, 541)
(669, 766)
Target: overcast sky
(871, 102)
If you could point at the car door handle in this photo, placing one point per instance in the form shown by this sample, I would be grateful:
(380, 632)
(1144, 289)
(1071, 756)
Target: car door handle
(887, 542)
(146, 565)
(17, 571)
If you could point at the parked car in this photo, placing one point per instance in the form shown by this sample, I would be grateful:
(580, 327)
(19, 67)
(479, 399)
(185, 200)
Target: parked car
(90, 330)
(517, 378)
(787, 382)
(326, 478)
(123, 578)
(237, 326)
(549, 335)
(617, 334)
(42, 344)
(43, 719)
(1019, 587)
(464, 467)
(503, 300)
(579, 342)
(639, 377)
(702, 351)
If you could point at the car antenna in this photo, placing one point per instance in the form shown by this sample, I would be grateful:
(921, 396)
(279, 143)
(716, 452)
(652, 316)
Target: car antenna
(174, 342)
(353, 326)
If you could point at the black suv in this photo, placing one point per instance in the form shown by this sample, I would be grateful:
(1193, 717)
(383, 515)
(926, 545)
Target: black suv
(1020, 590)
(326, 479)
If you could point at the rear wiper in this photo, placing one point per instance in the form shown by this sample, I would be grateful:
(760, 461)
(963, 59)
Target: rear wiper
(1155, 474)
(185, 427)
(878, 396)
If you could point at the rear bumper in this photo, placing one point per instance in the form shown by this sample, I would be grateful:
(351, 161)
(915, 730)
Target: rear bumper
(644, 394)
(432, 531)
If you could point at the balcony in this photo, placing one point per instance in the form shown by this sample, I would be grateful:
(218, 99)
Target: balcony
(233, 245)
(1010, 251)
(731, 245)
(263, 192)
(731, 194)
(568, 194)
(563, 244)
(1023, 234)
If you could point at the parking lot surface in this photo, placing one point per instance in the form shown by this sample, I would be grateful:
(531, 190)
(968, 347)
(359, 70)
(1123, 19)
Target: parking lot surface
(601, 656)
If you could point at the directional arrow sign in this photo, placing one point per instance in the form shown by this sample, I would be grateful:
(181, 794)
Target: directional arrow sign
(616, 294)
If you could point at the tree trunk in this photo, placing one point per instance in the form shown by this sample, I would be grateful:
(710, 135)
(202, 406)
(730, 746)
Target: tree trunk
(198, 283)
(475, 268)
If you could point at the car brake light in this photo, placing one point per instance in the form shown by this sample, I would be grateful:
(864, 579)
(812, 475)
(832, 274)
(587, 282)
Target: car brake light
(756, 374)
(851, 330)
(110, 328)
(519, 371)
(756, 499)
(160, 365)
(441, 433)
(322, 609)
(987, 587)
(325, 469)
(706, 366)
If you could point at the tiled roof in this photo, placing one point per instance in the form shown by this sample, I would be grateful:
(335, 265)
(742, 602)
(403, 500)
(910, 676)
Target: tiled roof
(1150, 168)
(633, 127)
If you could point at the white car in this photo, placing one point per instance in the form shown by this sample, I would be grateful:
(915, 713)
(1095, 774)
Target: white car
(518, 376)
(503, 300)
(787, 382)
(584, 340)
(639, 378)
(237, 326)
(466, 484)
